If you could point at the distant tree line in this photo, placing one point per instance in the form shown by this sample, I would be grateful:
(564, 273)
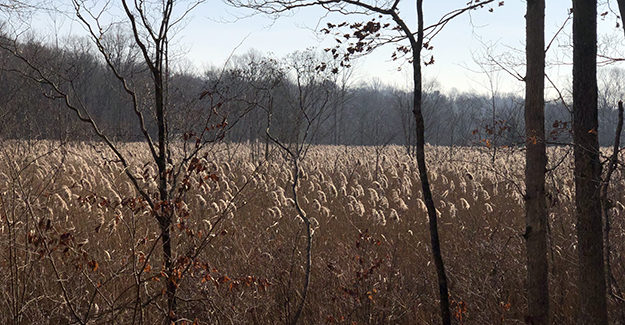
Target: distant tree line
(265, 91)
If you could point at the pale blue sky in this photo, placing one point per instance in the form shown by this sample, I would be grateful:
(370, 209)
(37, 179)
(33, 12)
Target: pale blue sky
(214, 30)
(456, 48)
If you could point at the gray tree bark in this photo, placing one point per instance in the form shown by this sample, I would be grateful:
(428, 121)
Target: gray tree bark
(536, 215)
(591, 282)
(416, 46)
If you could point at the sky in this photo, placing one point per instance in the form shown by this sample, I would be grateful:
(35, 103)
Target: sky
(214, 31)
(461, 49)
(454, 48)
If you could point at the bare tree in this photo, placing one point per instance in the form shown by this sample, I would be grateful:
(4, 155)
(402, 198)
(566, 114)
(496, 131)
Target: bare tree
(17, 6)
(591, 284)
(416, 42)
(606, 204)
(175, 156)
(308, 102)
(611, 283)
(401, 102)
(536, 216)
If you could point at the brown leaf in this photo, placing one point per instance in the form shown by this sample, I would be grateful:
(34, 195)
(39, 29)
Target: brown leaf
(93, 265)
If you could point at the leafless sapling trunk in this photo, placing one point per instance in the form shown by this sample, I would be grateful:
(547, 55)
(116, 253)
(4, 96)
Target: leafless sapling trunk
(308, 101)
(416, 46)
(606, 204)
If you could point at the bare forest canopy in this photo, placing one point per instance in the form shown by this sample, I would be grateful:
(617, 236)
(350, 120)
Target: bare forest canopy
(256, 90)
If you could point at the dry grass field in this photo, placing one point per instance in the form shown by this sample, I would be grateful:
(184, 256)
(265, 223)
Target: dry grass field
(77, 242)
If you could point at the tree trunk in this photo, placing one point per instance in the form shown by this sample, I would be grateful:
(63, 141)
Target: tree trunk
(605, 203)
(591, 283)
(621, 9)
(536, 215)
(171, 285)
(164, 213)
(416, 46)
(307, 225)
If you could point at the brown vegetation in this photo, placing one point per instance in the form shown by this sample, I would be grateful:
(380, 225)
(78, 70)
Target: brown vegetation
(76, 239)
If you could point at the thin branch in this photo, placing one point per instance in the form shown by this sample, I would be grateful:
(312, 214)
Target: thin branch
(80, 114)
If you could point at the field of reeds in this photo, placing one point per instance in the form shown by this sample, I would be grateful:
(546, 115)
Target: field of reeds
(78, 245)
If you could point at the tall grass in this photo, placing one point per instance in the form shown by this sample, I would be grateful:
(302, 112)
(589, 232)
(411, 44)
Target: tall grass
(76, 238)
